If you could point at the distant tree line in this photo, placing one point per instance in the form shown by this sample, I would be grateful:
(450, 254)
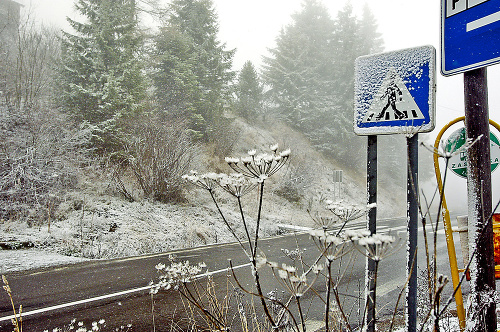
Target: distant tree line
(111, 71)
(111, 78)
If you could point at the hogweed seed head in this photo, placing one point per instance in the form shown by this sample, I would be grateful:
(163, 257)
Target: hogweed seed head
(246, 160)
(446, 152)
(230, 160)
(285, 153)
(377, 246)
(356, 234)
(206, 181)
(259, 166)
(272, 265)
(236, 184)
(346, 211)
(296, 283)
(283, 274)
(332, 247)
(175, 274)
(289, 268)
(322, 221)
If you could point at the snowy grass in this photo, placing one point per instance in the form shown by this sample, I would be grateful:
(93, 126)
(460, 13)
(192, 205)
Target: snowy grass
(108, 227)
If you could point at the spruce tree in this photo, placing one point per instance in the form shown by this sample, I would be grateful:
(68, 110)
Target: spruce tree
(249, 92)
(300, 68)
(370, 40)
(177, 89)
(310, 74)
(101, 81)
(201, 69)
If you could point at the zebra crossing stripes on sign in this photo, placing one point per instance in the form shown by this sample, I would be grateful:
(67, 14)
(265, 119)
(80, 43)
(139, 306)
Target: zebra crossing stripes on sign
(392, 102)
(394, 92)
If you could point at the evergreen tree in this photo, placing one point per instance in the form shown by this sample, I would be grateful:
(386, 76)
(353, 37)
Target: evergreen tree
(249, 92)
(190, 58)
(101, 79)
(178, 90)
(348, 44)
(300, 68)
(310, 75)
(370, 39)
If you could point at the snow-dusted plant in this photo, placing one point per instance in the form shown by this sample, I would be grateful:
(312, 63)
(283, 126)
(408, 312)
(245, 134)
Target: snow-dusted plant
(251, 173)
(17, 321)
(176, 274)
(346, 212)
(41, 153)
(80, 327)
(158, 154)
(432, 318)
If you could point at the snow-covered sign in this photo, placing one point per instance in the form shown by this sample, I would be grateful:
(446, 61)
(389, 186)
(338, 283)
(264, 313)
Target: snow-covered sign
(394, 92)
(458, 162)
(470, 34)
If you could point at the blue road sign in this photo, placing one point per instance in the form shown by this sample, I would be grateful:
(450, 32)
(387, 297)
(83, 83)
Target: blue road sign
(394, 92)
(470, 35)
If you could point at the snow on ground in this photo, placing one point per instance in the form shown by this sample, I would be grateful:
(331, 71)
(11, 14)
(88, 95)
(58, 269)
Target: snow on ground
(25, 259)
(95, 223)
(105, 227)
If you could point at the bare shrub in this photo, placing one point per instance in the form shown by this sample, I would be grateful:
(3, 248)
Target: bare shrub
(223, 136)
(39, 159)
(160, 152)
(293, 185)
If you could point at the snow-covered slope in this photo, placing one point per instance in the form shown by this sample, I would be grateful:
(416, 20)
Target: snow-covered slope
(95, 222)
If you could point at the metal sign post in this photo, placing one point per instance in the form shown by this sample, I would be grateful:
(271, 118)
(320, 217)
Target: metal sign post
(470, 40)
(412, 218)
(483, 312)
(395, 93)
(371, 172)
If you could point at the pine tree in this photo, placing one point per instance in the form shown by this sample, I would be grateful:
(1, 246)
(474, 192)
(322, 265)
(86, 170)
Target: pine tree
(249, 92)
(201, 69)
(347, 45)
(300, 68)
(310, 75)
(370, 40)
(177, 87)
(101, 81)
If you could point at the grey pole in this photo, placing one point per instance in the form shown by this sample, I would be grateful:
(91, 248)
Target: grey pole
(482, 315)
(371, 171)
(412, 219)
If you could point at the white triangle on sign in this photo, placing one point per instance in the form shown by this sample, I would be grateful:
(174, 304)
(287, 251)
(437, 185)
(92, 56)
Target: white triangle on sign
(392, 102)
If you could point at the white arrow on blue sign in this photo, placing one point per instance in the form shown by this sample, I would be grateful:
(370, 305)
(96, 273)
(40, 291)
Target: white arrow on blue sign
(394, 92)
(470, 35)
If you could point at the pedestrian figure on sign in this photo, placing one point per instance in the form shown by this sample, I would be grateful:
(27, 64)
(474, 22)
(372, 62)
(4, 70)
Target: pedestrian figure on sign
(392, 92)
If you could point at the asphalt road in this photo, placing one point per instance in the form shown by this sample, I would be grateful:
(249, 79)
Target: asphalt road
(117, 290)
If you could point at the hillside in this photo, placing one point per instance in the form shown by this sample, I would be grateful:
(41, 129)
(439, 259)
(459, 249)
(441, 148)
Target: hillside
(95, 222)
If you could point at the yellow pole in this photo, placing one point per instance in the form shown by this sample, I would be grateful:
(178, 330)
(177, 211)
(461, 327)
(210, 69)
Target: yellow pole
(448, 231)
(447, 225)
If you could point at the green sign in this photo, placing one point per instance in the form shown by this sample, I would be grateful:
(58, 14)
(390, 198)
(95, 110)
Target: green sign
(458, 162)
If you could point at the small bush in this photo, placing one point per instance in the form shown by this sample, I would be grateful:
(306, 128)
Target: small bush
(223, 136)
(158, 154)
(293, 185)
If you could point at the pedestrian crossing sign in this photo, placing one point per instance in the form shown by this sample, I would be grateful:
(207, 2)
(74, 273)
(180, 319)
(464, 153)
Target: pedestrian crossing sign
(395, 92)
